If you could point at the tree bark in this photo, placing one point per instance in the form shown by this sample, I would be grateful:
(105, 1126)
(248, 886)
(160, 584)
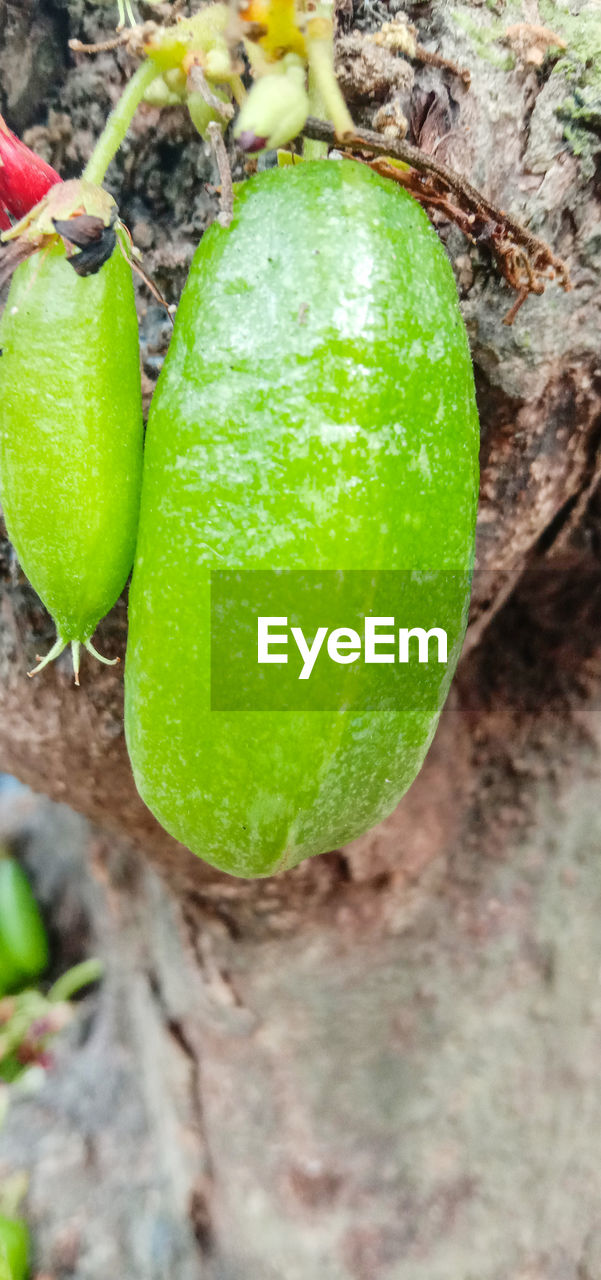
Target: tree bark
(383, 1063)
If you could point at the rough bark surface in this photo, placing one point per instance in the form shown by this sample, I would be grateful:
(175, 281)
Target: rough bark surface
(382, 1065)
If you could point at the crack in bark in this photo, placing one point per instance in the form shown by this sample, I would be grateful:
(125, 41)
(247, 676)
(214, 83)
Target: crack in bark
(199, 1210)
(562, 528)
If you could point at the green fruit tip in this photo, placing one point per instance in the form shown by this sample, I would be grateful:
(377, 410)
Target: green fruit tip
(59, 647)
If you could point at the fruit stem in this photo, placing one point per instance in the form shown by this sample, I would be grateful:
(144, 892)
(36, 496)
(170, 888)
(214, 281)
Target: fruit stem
(118, 122)
(313, 150)
(320, 56)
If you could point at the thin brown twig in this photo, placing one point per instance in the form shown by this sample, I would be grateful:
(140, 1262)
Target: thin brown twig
(133, 39)
(104, 46)
(525, 261)
(198, 83)
(151, 286)
(136, 266)
(519, 302)
(226, 194)
(437, 60)
(478, 204)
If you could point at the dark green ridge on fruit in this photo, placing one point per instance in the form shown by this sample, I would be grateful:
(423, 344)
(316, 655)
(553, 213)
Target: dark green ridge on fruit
(71, 434)
(315, 411)
(10, 974)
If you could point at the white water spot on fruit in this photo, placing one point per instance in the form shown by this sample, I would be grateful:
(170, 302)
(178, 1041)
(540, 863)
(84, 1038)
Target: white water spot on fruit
(352, 318)
(424, 463)
(436, 347)
(416, 349)
(332, 432)
(421, 463)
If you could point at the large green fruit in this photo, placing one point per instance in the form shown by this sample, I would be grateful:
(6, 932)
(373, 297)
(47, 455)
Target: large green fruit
(315, 412)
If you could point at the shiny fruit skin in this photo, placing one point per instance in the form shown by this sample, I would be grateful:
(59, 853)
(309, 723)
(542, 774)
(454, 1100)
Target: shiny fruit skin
(316, 411)
(71, 434)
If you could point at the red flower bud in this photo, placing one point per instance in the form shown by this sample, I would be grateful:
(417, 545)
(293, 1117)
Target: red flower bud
(24, 177)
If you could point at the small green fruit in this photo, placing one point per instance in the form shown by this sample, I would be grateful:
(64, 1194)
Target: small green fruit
(22, 935)
(71, 435)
